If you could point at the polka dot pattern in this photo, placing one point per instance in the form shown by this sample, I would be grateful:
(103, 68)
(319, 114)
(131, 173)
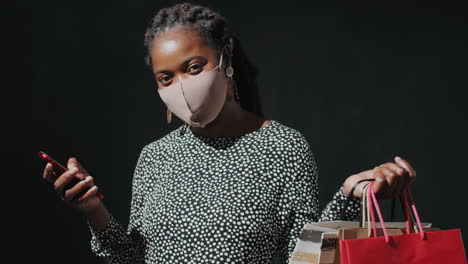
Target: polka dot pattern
(220, 200)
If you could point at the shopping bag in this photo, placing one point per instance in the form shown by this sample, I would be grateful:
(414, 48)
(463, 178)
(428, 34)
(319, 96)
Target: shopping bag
(317, 242)
(393, 228)
(424, 247)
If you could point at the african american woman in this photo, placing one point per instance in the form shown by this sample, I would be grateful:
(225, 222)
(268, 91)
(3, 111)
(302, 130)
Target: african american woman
(228, 186)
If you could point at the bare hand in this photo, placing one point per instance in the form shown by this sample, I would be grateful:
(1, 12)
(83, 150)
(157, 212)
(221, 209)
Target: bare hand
(74, 186)
(391, 179)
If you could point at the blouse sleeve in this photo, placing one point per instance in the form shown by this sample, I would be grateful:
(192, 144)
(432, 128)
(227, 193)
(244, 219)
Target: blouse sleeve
(304, 200)
(115, 244)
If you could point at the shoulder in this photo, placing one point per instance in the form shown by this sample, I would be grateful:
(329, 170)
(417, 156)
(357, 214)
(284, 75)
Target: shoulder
(154, 148)
(293, 151)
(287, 137)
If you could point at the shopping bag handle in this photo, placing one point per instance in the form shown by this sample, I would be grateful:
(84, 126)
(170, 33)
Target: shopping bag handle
(365, 210)
(405, 196)
(365, 213)
(350, 195)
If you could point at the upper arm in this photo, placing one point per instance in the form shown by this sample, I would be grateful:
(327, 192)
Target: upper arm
(135, 226)
(138, 186)
(300, 202)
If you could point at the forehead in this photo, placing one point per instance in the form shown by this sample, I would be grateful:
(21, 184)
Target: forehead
(171, 47)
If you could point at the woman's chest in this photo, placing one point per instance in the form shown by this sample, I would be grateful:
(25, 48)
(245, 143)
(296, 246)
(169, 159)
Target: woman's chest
(214, 192)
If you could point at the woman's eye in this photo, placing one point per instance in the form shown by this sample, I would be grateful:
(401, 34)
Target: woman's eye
(194, 68)
(164, 79)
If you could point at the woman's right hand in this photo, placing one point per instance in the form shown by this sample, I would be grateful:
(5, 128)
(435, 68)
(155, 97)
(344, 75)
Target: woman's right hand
(74, 186)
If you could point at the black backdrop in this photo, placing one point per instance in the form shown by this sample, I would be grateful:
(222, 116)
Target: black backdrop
(362, 81)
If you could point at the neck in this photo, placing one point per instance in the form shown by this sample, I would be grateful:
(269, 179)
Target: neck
(233, 120)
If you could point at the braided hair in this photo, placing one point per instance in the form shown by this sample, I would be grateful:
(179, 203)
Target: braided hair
(213, 29)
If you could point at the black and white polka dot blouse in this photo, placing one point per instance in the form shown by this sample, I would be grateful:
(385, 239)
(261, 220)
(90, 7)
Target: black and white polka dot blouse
(220, 200)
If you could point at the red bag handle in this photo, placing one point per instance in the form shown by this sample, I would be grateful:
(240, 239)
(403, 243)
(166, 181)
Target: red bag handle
(372, 200)
(406, 194)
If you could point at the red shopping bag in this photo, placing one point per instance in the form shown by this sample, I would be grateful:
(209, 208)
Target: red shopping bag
(445, 246)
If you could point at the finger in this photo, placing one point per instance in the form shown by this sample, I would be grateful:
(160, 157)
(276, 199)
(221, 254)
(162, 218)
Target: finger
(90, 193)
(82, 173)
(402, 177)
(81, 186)
(64, 179)
(395, 167)
(49, 174)
(405, 164)
(392, 180)
(380, 185)
(405, 180)
(73, 162)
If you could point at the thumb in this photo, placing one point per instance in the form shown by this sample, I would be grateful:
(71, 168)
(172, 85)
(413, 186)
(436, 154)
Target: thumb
(73, 162)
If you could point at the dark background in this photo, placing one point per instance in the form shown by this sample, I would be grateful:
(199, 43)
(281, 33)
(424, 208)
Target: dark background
(362, 81)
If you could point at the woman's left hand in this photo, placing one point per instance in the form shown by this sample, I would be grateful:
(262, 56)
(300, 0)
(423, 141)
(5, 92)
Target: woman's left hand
(391, 179)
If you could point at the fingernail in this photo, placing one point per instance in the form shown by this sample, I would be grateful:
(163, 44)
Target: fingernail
(88, 179)
(397, 158)
(73, 170)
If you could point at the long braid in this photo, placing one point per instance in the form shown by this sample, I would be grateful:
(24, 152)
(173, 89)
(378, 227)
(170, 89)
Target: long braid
(214, 30)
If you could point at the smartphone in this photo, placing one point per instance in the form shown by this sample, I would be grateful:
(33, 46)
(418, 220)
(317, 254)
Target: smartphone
(61, 169)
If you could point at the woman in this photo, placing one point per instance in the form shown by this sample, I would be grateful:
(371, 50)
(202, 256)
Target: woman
(227, 187)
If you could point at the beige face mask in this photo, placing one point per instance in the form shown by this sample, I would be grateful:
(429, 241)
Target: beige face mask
(198, 99)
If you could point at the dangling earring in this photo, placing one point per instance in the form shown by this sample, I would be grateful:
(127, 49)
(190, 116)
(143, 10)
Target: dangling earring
(229, 88)
(235, 91)
(168, 116)
(231, 82)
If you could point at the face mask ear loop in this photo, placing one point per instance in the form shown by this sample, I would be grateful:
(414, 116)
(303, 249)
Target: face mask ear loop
(220, 65)
(229, 70)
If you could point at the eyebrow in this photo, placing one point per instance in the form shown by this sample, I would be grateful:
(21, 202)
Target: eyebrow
(184, 62)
